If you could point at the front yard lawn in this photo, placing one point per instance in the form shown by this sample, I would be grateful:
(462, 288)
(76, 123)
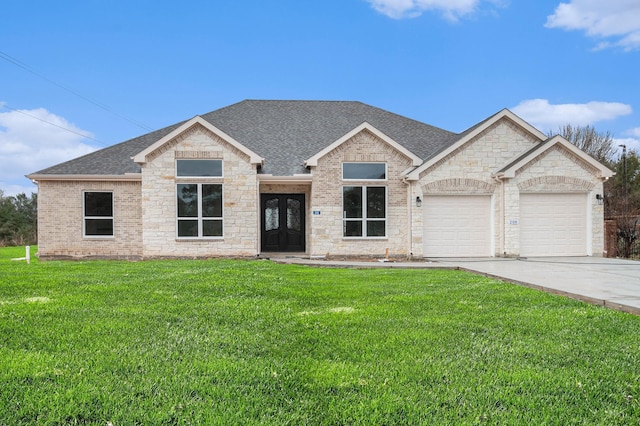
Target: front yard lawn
(252, 342)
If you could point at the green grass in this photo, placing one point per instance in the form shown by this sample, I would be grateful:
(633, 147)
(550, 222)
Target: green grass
(251, 342)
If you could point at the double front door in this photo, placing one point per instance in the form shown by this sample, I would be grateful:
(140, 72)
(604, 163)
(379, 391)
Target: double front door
(282, 217)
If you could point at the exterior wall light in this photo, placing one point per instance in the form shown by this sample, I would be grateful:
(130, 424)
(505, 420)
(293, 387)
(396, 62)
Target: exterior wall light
(600, 198)
(418, 201)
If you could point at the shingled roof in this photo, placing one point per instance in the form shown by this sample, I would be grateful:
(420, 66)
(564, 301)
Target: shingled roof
(284, 133)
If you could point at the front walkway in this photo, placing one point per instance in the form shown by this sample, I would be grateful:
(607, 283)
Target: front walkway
(614, 283)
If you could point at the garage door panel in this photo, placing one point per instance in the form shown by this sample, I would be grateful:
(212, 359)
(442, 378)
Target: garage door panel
(457, 226)
(553, 224)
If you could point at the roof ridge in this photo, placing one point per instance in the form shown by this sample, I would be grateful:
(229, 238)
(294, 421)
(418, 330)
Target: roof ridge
(283, 132)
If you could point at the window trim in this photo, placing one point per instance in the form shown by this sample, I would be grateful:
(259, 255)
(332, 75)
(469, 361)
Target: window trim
(364, 219)
(197, 176)
(200, 218)
(386, 171)
(85, 217)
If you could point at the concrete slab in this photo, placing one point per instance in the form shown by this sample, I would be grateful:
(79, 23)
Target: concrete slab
(361, 264)
(614, 283)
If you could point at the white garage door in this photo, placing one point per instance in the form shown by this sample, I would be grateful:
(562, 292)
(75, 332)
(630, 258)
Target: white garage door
(457, 226)
(553, 224)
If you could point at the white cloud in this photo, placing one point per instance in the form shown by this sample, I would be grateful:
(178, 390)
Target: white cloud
(545, 116)
(450, 9)
(9, 189)
(617, 22)
(28, 143)
(632, 144)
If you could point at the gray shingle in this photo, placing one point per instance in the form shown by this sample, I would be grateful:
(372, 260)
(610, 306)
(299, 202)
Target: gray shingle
(284, 133)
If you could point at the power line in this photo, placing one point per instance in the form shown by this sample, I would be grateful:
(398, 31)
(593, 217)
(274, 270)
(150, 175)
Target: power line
(27, 68)
(52, 124)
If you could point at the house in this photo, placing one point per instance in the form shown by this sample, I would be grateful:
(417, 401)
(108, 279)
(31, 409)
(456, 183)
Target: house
(324, 178)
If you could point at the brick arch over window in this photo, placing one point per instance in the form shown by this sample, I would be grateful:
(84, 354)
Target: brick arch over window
(458, 186)
(556, 184)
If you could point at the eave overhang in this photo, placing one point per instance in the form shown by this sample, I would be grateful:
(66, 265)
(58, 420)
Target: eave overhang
(305, 179)
(128, 177)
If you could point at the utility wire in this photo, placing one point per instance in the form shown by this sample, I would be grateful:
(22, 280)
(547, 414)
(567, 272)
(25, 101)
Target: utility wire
(27, 68)
(84, 135)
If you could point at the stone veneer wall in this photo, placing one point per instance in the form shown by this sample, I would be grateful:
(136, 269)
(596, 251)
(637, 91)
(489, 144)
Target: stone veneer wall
(468, 170)
(240, 198)
(60, 218)
(556, 171)
(326, 197)
(153, 202)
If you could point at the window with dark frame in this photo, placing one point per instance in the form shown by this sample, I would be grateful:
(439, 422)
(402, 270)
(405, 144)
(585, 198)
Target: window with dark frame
(364, 211)
(364, 171)
(364, 207)
(199, 168)
(98, 214)
(199, 210)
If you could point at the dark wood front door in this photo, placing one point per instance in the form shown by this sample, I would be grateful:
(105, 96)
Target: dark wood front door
(282, 217)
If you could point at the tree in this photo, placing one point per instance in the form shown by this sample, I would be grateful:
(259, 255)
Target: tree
(623, 201)
(597, 144)
(18, 219)
(622, 192)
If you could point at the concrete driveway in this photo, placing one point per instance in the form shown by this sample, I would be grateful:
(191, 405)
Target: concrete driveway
(614, 283)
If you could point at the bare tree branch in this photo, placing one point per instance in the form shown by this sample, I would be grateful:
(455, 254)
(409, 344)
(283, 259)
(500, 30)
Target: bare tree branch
(597, 144)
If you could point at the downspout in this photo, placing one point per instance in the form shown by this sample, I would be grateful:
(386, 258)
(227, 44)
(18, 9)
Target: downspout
(498, 178)
(409, 217)
(258, 239)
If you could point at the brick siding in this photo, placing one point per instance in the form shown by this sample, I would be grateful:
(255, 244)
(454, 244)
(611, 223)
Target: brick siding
(60, 219)
(326, 197)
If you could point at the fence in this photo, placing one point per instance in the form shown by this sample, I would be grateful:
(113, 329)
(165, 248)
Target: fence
(613, 242)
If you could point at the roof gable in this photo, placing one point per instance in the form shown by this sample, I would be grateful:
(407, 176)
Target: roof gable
(141, 157)
(284, 133)
(509, 170)
(289, 132)
(313, 161)
(471, 133)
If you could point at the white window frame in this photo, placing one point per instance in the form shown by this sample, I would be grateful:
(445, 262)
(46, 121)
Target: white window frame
(85, 217)
(200, 159)
(364, 219)
(386, 171)
(200, 219)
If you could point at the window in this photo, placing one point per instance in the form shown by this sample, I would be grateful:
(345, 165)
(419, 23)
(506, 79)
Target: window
(364, 208)
(199, 168)
(364, 211)
(98, 214)
(364, 171)
(199, 210)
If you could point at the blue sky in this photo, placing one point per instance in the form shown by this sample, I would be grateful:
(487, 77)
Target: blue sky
(76, 76)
